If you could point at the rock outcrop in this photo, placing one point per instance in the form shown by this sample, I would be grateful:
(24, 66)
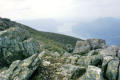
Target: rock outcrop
(83, 47)
(22, 70)
(15, 43)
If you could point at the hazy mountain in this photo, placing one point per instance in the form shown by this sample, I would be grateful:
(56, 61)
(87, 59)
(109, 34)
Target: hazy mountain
(104, 28)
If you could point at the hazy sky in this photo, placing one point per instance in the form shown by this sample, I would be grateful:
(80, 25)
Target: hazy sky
(59, 9)
(63, 16)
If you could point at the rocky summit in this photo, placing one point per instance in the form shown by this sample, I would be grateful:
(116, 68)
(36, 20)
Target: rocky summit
(27, 54)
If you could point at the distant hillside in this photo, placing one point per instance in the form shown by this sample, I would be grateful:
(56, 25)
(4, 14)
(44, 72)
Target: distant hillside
(51, 41)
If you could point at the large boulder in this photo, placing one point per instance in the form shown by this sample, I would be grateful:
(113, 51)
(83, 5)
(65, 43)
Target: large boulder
(94, 73)
(89, 44)
(112, 70)
(110, 51)
(22, 70)
(97, 43)
(95, 60)
(84, 61)
(72, 72)
(105, 62)
(82, 47)
(16, 43)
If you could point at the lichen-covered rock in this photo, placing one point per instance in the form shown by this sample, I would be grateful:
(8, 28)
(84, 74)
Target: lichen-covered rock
(105, 62)
(16, 43)
(95, 60)
(89, 44)
(112, 69)
(93, 52)
(84, 61)
(72, 72)
(119, 73)
(94, 73)
(118, 54)
(96, 43)
(110, 51)
(22, 70)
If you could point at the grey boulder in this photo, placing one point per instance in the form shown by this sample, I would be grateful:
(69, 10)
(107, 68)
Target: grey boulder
(97, 43)
(89, 44)
(72, 71)
(112, 70)
(110, 51)
(82, 47)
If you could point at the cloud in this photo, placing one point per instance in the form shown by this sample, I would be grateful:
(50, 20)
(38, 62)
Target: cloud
(65, 27)
(59, 9)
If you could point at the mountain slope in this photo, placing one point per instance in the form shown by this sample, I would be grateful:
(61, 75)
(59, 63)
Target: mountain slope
(50, 41)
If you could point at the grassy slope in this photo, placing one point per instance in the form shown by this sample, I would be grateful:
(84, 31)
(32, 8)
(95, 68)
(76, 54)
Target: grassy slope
(51, 41)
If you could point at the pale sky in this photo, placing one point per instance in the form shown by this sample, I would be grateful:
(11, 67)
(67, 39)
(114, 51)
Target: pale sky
(63, 16)
(59, 9)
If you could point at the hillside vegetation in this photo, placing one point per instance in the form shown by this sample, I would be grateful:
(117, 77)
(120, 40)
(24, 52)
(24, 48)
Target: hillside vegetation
(51, 41)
